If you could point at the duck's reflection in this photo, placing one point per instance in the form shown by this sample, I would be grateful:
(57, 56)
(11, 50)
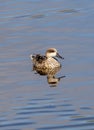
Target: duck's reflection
(50, 73)
(52, 80)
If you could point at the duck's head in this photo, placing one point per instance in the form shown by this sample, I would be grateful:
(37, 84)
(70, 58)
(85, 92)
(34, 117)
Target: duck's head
(52, 52)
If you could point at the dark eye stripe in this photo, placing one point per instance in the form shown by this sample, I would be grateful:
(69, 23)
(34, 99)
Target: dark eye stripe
(51, 51)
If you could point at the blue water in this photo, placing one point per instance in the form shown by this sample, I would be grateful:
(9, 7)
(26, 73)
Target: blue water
(27, 101)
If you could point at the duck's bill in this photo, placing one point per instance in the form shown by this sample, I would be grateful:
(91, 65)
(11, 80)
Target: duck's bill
(59, 56)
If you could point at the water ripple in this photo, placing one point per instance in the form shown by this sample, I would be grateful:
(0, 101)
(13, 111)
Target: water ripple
(19, 123)
(66, 126)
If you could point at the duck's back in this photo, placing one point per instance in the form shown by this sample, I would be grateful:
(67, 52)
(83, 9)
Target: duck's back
(42, 62)
(39, 61)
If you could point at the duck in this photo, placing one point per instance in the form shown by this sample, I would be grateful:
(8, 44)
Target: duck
(44, 64)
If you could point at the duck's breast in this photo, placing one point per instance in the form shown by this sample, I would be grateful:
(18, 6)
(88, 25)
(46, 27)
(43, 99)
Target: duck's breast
(52, 63)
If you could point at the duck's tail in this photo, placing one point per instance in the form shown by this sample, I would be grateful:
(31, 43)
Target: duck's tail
(32, 57)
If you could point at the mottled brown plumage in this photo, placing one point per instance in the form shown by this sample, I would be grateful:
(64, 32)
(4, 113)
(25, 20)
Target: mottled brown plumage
(45, 63)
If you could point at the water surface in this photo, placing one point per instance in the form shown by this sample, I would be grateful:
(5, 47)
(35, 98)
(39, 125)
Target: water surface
(27, 101)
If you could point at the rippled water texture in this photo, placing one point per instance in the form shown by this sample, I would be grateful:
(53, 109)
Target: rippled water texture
(27, 101)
